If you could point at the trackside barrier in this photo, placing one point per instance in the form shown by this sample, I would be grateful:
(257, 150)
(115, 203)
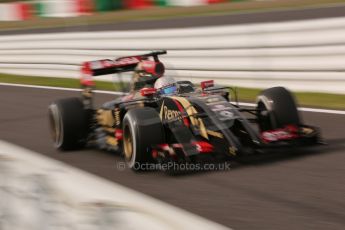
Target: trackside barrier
(301, 55)
(16, 11)
(72, 8)
(37, 192)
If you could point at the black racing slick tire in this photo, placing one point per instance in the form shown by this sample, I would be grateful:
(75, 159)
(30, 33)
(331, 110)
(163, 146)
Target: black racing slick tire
(68, 123)
(276, 109)
(142, 129)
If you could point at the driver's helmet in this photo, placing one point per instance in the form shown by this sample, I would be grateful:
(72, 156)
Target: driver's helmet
(166, 85)
(146, 73)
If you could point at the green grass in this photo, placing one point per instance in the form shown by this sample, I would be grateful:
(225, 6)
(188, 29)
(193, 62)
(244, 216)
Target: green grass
(308, 99)
(319, 100)
(167, 12)
(55, 82)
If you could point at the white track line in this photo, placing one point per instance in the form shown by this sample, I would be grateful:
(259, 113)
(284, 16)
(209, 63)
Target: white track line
(313, 110)
(59, 88)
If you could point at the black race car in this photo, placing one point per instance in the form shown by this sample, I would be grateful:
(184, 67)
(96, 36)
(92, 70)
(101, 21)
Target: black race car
(186, 126)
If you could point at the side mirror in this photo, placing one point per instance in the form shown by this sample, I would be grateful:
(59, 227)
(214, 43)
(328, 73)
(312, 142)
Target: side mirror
(147, 92)
(206, 84)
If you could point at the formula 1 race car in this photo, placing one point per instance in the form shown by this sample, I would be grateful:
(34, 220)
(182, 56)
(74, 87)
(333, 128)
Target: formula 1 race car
(177, 122)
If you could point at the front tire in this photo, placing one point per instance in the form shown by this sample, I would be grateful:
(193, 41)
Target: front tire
(142, 128)
(68, 123)
(276, 109)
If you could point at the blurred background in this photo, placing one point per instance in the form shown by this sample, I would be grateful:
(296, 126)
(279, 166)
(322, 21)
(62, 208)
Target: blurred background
(248, 44)
(25, 10)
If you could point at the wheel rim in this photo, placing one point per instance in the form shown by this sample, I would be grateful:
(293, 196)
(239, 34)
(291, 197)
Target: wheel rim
(56, 128)
(264, 117)
(128, 143)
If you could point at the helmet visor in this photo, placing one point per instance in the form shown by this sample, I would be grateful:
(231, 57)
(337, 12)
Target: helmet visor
(168, 90)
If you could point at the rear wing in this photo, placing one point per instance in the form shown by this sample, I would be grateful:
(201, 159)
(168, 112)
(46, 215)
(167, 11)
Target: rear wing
(119, 65)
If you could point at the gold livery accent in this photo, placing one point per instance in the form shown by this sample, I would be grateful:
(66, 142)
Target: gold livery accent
(214, 133)
(169, 114)
(232, 150)
(161, 111)
(117, 116)
(111, 141)
(105, 117)
(307, 130)
(191, 111)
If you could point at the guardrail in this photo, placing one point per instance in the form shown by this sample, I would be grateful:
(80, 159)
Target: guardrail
(301, 55)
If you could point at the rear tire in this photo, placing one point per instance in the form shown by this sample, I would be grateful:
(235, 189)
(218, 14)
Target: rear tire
(276, 109)
(68, 123)
(142, 128)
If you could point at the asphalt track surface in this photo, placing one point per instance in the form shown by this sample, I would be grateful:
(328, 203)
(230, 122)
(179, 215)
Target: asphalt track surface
(199, 21)
(297, 189)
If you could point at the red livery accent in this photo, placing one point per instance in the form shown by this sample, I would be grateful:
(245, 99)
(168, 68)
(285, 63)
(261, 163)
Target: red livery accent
(126, 61)
(154, 153)
(127, 64)
(207, 84)
(185, 119)
(290, 132)
(164, 147)
(119, 134)
(86, 75)
(86, 69)
(153, 67)
(203, 146)
(177, 145)
(147, 92)
(108, 63)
